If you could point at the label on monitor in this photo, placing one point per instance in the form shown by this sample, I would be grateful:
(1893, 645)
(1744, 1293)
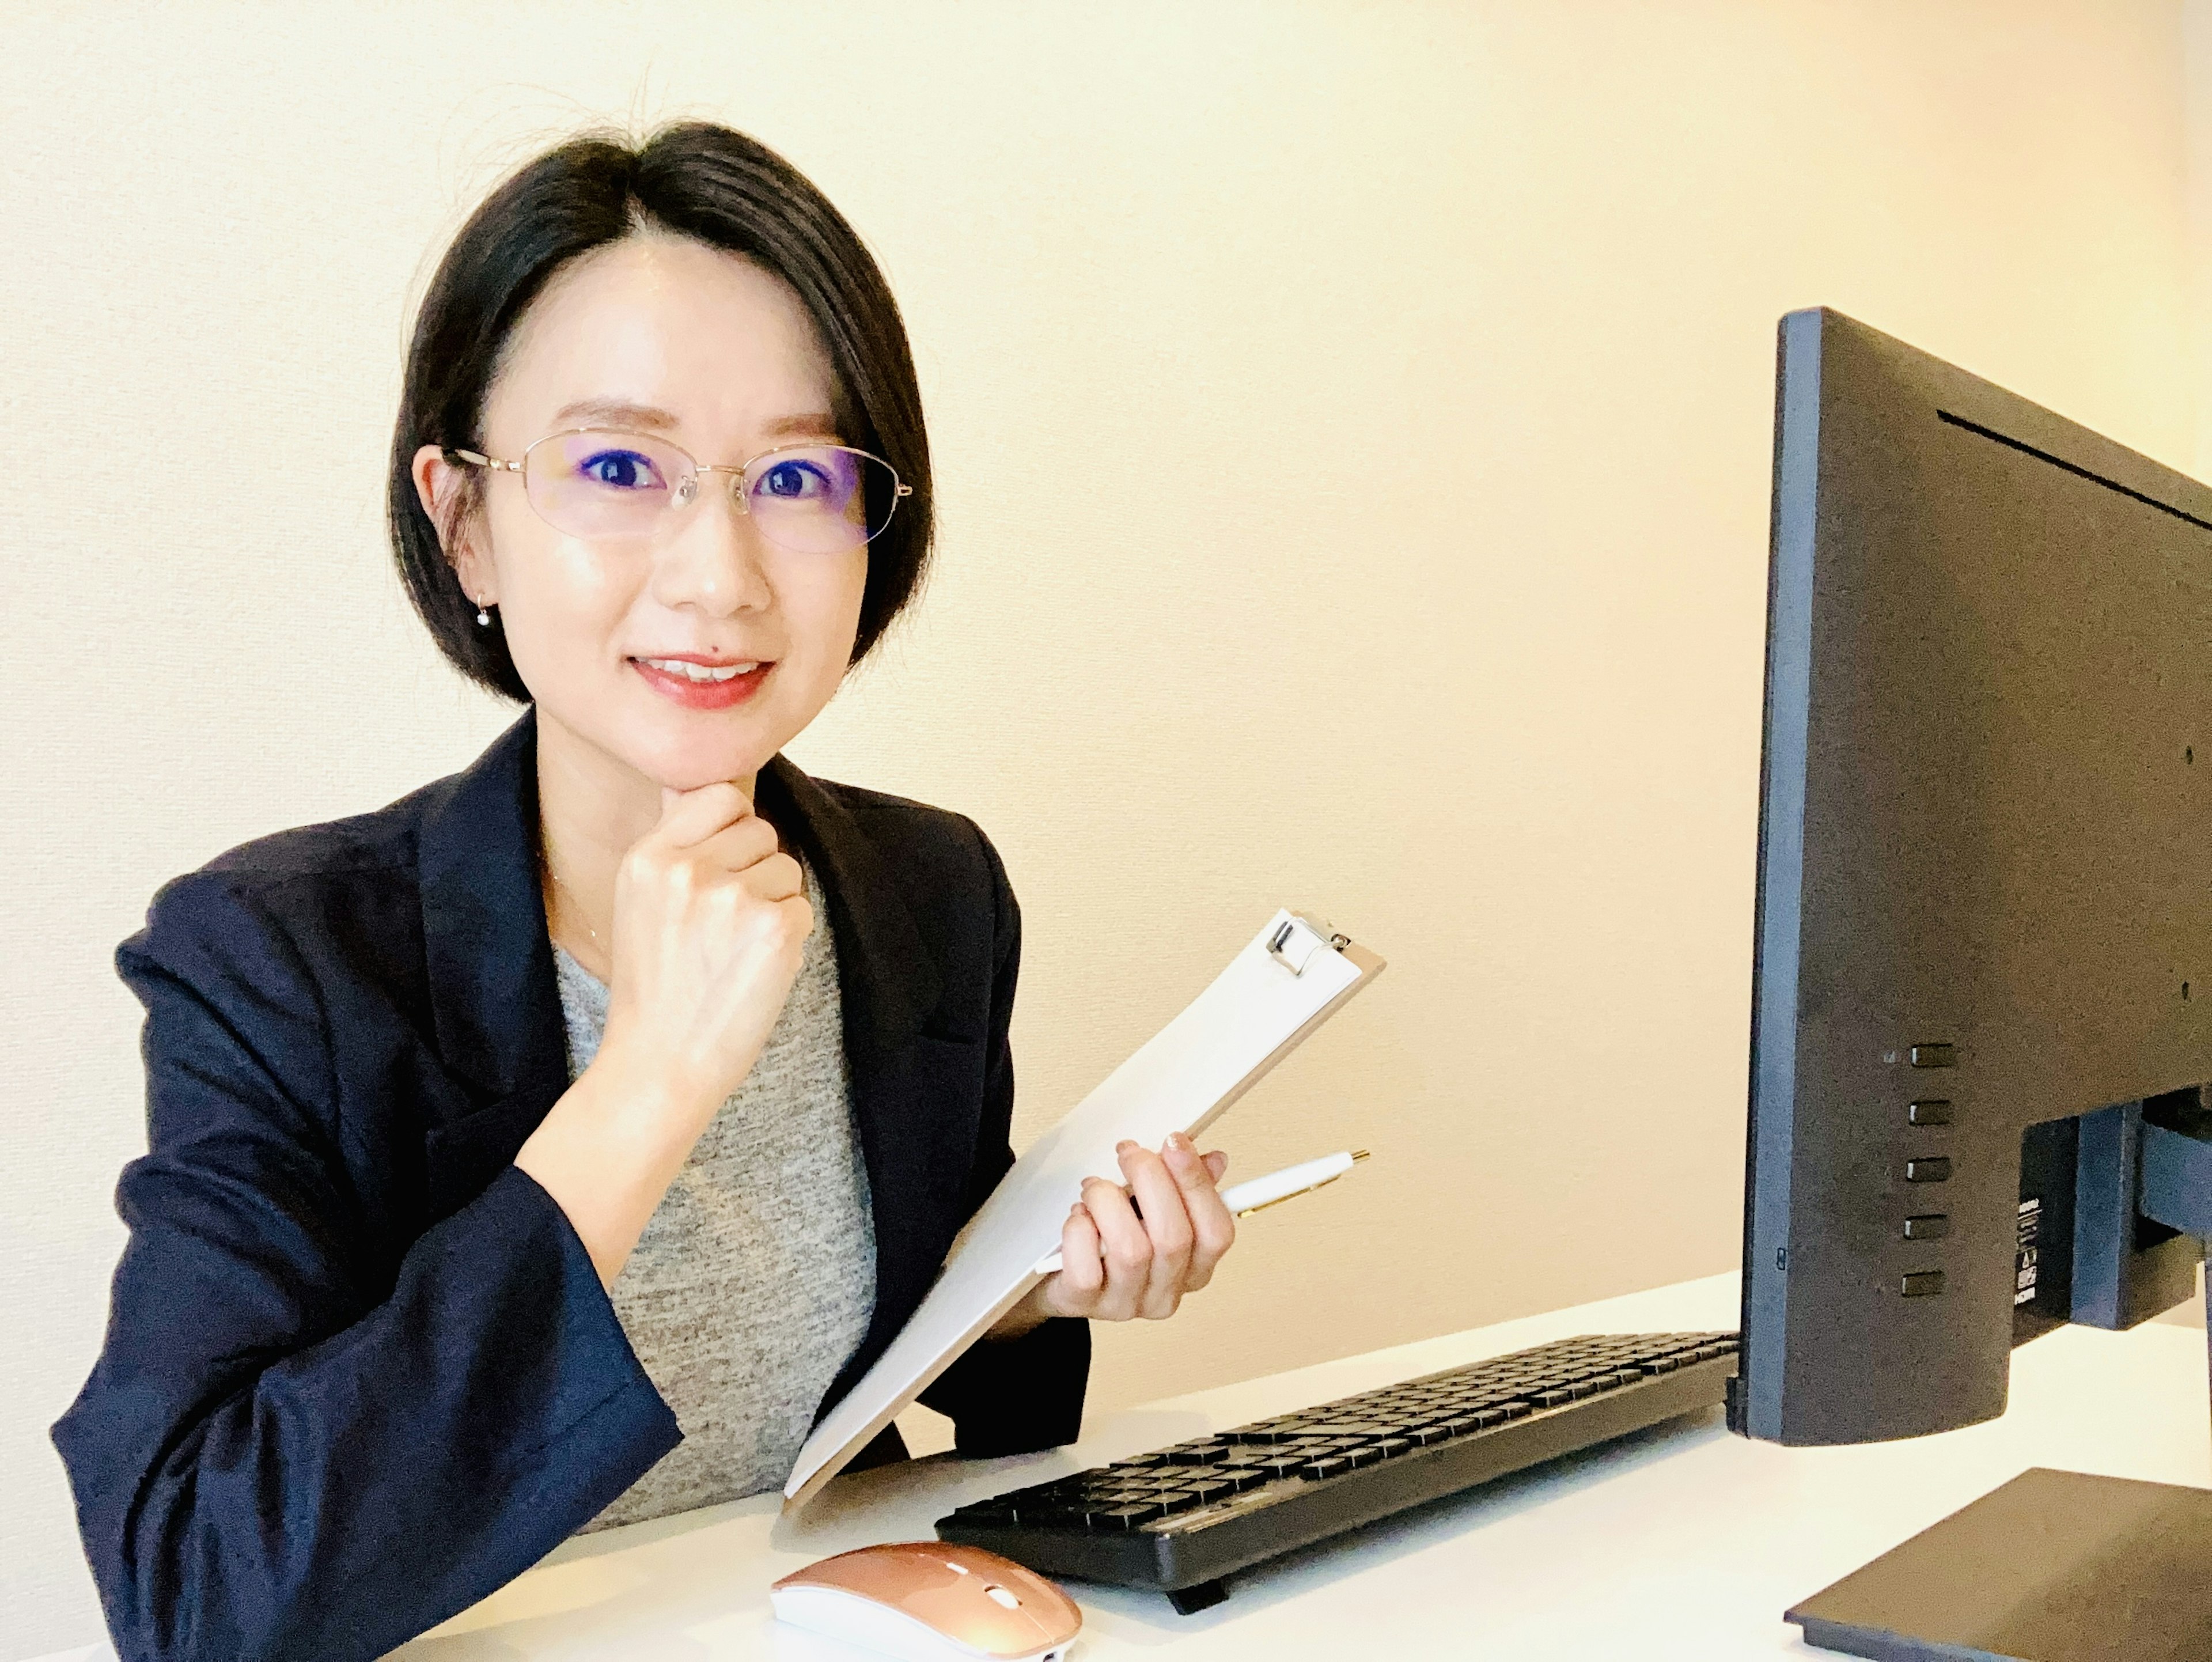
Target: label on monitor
(2043, 1245)
(2030, 1229)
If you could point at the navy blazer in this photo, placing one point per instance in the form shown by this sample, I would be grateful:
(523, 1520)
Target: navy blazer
(358, 1370)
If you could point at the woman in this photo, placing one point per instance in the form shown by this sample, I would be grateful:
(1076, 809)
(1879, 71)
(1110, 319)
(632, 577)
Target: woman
(551, 1148)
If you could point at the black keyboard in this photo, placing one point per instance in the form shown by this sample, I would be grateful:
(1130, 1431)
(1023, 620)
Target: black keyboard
(1181, 1519)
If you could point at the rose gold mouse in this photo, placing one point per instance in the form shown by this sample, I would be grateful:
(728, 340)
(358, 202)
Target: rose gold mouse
(930, 1601)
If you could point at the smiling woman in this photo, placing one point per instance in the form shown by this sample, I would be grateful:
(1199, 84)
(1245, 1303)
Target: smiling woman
(551, 1147)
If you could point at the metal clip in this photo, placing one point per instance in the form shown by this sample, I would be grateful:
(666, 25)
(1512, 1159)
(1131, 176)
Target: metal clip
(1295, 941)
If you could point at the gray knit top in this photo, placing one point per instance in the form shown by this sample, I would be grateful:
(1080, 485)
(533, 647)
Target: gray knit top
(756, 1275)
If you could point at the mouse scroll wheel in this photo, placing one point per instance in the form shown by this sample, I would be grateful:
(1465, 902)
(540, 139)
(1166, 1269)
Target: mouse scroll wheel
(999, 1595)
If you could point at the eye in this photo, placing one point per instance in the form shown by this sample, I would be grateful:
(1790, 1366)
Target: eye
(794, 480)
(620, 470)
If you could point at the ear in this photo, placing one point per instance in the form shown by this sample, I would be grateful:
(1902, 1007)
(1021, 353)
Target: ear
(440, 484)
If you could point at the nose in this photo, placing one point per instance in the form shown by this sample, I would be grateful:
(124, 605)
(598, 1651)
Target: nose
(715, 560)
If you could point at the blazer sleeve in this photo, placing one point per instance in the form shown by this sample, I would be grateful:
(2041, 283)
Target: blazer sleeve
(294, 1442)
(1009, 1396)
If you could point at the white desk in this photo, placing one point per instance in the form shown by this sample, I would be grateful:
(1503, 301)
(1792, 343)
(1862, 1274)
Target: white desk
(1686, 1542)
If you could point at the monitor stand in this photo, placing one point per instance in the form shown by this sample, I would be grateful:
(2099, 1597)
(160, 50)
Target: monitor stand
(2056, 1566)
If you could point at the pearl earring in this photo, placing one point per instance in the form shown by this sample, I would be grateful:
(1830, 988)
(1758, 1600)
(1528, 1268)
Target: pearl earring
(484, 617)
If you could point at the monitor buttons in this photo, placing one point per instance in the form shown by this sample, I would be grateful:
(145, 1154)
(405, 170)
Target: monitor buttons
(1928, 1113)
(1933, 1169)
(1923, 1284)
(1935, 1056)
(1933, 1227)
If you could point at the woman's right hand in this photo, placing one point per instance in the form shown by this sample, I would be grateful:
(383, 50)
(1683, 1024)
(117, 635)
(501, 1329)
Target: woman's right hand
(710, 923)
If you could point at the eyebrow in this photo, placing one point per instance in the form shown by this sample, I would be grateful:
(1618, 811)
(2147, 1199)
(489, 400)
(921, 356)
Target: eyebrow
(652, 417)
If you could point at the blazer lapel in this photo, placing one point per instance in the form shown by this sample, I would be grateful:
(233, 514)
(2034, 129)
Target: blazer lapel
(887, 979)
(492, 997)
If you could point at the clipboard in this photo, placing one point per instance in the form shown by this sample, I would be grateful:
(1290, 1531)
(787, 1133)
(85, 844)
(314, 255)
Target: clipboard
(1293, 976)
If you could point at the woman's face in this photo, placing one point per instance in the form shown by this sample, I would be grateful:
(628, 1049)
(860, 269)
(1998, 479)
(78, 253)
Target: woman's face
(718, 354)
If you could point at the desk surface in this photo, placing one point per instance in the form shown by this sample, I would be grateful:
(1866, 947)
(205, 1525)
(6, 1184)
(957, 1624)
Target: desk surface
(1681, 1543)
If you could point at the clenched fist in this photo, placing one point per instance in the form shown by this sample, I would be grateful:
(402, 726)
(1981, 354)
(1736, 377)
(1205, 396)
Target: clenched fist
(710, 923)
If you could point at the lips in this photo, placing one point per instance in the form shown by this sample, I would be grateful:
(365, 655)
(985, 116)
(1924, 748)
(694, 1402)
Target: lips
(698, 681)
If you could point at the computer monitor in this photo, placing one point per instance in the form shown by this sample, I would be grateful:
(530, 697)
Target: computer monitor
(1982, 1001)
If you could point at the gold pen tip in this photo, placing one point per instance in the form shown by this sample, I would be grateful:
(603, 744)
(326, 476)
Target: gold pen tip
(1358, 1154)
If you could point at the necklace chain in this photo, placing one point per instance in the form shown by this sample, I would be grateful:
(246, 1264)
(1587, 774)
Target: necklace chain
(545, 860)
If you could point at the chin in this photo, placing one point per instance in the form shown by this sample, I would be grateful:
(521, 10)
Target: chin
(683, 749)
(686, 761)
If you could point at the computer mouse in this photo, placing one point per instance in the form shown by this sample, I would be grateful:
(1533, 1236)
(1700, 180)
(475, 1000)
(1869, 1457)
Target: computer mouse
(931, 1601)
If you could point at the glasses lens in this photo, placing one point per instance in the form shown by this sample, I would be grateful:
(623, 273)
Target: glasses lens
(605, 484)
(819, 499)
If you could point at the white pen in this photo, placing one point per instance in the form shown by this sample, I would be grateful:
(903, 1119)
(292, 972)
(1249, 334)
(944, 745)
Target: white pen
(1262, 1192)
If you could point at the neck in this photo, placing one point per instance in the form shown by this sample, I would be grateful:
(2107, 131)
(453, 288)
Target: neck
(591, 805)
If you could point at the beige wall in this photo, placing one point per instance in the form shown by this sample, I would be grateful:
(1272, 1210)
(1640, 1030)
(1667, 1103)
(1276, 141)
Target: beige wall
(1354, 427)
(2196, 27)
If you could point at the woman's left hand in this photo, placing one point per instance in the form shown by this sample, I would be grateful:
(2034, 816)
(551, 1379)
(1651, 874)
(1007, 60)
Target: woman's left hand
(1134, 1248)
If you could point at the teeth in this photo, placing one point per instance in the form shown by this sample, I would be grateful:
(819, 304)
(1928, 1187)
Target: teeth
(698, 672)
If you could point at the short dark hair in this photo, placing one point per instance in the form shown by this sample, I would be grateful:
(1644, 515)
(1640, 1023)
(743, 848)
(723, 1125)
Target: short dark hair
(698, 179)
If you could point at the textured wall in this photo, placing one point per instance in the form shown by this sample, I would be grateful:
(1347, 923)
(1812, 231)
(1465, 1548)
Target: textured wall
(1354, 426)
(2197, 38)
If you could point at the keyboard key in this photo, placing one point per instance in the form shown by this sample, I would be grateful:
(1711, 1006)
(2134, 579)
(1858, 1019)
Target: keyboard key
(1328, 1466)
(1126, 1517)
(1201, 1454)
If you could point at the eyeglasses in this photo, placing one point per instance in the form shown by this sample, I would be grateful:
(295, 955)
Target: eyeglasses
(605, 484)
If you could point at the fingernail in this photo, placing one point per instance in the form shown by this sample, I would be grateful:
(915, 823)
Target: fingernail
(1179, 1142)
(1124, 1146)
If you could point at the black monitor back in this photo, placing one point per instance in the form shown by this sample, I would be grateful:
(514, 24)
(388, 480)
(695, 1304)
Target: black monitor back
(1984, 871)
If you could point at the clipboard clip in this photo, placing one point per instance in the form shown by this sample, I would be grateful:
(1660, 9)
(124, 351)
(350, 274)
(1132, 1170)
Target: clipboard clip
(1295, 941)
